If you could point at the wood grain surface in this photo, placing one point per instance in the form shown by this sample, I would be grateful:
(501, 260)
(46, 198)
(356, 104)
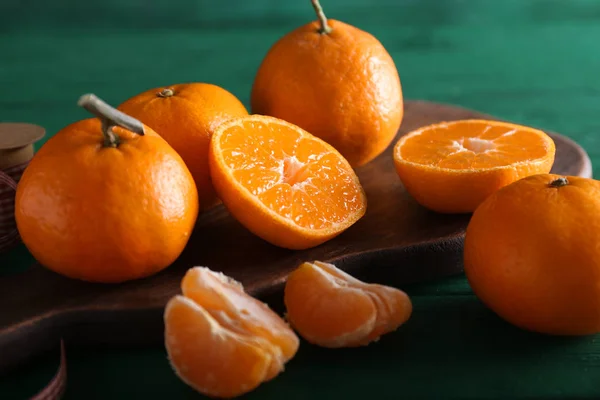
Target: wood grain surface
(396, 242)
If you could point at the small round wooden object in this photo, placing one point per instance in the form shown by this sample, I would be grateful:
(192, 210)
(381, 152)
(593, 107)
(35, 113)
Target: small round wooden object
(16, 150)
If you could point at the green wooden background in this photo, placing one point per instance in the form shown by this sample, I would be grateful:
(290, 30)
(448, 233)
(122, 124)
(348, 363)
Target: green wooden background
(531, 61)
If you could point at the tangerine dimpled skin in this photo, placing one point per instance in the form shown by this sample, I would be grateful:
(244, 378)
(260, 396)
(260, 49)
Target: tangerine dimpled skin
(341, 86)
(106, 214)
(532, 255)
(186, 115)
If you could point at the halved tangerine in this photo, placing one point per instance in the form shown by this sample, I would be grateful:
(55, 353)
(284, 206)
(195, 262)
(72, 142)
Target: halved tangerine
(221, 341)
(283, 184)
(329, 307)
(451, 167)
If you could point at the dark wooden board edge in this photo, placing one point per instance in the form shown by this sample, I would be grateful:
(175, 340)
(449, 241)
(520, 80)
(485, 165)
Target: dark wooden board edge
(84, 327)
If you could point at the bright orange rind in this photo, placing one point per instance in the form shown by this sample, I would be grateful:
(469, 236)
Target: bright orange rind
(452, 167)
(283, 184)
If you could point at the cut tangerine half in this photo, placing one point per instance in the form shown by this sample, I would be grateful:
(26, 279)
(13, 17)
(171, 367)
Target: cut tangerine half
(329, 307)
(283, 184)
(221, 341)
(451, 167)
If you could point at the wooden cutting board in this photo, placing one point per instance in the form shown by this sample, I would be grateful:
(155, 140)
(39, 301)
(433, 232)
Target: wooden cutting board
(397, 242)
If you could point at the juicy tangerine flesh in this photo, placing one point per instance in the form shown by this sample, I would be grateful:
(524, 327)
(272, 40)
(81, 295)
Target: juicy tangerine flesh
(221, 341)
(330, 308)
(452, 167)
(209, 358)
(473, 145)
(301, 191)
(216, 291)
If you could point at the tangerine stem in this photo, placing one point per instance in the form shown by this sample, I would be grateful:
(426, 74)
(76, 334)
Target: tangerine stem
(559, 182)
(165, 93)
(110, 117)
(322, 18)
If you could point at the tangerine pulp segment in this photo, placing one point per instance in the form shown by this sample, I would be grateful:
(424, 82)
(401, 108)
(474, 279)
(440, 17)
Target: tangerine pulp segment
(330, 308)
(451, 167)
(221, 341)
(283, 184)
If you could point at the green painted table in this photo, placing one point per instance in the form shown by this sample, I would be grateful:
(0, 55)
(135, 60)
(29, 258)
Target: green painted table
(531, 61)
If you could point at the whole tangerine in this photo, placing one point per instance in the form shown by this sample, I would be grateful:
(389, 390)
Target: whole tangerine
(106, 199)
(186, 115)
(335, 81)
(531, 254)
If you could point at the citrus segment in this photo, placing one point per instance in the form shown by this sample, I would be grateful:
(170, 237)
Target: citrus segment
(392, 305)
(330, 308)
(220, 340)
(284, 184)
(315, 308)
(213, 360)
(216, 291)
(451, 167)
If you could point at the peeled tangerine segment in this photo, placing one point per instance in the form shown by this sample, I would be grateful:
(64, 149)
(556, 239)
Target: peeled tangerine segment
(331, 308)
(237, 310)
(209, 358)
(220, 340)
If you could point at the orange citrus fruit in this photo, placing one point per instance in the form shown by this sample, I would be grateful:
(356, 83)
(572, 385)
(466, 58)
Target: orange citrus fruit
(330, 308)
(106, 202)
(186, 115)
(336, 81)
(285, 185)
(532, 254)
(221, 341)
(451, 167)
